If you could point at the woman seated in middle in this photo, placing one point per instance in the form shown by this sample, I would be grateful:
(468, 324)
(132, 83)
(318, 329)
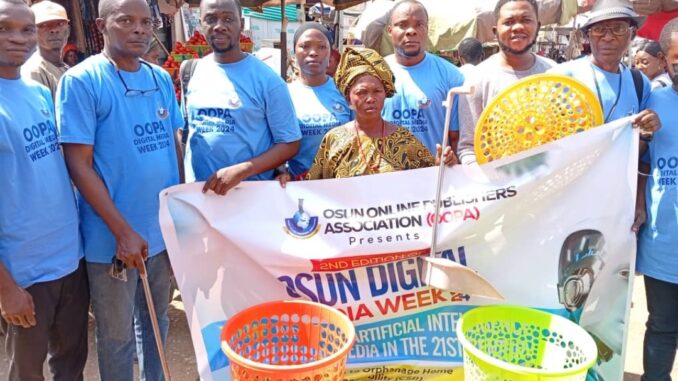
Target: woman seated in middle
(368, 145)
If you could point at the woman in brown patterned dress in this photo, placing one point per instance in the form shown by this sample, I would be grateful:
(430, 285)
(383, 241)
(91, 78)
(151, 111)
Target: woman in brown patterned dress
(367, 145)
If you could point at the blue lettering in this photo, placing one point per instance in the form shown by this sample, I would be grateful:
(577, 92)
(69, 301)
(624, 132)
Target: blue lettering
(671, 162)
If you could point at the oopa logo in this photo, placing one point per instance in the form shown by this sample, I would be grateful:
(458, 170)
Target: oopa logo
(301, 225)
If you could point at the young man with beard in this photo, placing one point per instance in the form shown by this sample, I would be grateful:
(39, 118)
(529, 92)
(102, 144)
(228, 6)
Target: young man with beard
(43, 282)
(46, 65)
(422, 80)
(516, 31)
(118, 116)
(657, 259)
(242, 123)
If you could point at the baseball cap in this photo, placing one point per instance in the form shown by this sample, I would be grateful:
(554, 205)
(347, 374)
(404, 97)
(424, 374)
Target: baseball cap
(48, 11)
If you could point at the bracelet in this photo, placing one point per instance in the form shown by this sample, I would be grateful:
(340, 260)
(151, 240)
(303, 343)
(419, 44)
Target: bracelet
(644, 174)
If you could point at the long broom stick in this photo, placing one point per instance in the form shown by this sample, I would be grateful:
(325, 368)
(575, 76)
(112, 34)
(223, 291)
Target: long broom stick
(154, 322)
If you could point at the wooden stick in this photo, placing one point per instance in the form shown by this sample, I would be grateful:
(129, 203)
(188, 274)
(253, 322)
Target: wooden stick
(155, 36)
(154, 321)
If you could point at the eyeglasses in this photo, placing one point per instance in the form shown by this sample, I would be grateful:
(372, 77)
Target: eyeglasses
(617, 30)
(135, 92)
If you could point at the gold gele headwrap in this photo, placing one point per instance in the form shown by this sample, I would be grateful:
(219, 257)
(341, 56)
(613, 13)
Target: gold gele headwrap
(533, 111)
(356, 62)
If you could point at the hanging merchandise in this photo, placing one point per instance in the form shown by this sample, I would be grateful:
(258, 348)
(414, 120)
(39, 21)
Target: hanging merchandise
(93, 40)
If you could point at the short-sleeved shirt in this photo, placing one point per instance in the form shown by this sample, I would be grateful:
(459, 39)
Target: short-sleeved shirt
(421, 90)
(39, 239)
(236, 112)
(319, 109)
(133, 145)
(659, 238)
(616, 91)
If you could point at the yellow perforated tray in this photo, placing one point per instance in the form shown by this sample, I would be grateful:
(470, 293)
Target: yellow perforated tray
(533, 111)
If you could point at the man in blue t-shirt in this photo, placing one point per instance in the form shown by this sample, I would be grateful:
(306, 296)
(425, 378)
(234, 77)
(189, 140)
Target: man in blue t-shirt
(422, 80)
(657, 259)
(118, 116)
(242, 123)
(43, 283)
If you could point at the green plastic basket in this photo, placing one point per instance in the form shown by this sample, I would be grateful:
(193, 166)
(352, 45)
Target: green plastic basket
(518, 343)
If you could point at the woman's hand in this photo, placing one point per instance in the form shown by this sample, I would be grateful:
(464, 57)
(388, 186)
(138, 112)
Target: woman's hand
(449, 158)
(283, 178)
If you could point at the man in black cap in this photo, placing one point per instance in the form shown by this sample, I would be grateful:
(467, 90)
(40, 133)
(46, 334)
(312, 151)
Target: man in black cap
(610, 29)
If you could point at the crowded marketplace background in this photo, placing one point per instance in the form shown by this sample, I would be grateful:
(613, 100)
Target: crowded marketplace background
(105, 105)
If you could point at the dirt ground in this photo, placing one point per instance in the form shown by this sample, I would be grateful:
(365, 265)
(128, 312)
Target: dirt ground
(183, 367)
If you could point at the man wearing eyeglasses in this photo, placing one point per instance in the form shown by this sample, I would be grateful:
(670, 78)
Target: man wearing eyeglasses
(118, 116)
(46, 65)
(610, 29)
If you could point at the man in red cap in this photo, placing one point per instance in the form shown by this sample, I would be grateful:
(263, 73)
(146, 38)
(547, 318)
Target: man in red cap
(46, 65)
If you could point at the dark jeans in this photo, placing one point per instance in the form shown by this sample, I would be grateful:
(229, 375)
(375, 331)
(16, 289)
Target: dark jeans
(61, 308)
(661, 335)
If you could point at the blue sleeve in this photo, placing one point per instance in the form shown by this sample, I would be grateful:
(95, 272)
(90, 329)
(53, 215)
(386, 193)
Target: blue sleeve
(456, 78)
(76, 111)
(282, 120)
(177, 117)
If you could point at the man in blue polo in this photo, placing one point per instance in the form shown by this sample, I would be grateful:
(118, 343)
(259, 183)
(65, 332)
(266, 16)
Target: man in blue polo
(422, 80)
(242, 123)
(118, 115)
(43, 282)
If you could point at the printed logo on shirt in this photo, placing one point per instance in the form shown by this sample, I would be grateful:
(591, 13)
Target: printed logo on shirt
(424, 103)
(163, 113)
(151, 137)
(234, 102)
(317, 124)
(41, 140)
(338, 107)
(213, 120)
(668, 171)
(413, 119)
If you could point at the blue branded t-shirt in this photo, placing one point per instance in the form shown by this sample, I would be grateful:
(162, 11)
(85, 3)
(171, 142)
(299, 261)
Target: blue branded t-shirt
(420, 92)
(39, 239)
(659, 238)
(133, 141)
(606, 86)
(318, 109)
(236, 112)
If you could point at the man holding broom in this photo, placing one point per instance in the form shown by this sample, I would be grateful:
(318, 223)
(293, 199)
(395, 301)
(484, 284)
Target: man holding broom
(118, 117)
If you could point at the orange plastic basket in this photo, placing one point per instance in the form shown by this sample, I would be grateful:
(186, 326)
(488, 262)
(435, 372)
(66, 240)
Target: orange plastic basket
(288, 341)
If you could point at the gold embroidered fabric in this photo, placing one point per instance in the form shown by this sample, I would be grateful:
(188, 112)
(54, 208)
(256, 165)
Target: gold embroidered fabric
(356, 62)
(339, 155)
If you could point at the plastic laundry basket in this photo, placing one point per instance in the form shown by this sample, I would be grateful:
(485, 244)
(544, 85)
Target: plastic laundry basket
(288, 341)
(517, 343)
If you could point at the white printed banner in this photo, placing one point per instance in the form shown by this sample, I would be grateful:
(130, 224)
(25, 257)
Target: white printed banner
(549, 228)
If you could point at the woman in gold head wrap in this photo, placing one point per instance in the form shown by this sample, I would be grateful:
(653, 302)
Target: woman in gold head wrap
(369, 144)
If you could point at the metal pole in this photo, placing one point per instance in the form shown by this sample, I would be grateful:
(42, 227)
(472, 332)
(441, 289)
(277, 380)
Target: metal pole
(283, 42)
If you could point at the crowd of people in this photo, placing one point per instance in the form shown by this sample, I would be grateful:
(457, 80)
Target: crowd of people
(111, 129)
